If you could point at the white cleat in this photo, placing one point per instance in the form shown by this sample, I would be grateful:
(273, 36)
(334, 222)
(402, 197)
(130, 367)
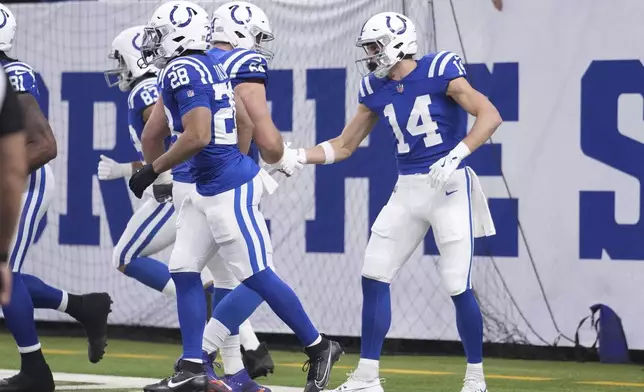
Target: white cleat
(354, 384)
(474, 385)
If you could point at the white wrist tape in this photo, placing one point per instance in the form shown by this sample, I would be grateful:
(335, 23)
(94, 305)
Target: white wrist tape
(461, 151)
(329, 154)
(126, 169)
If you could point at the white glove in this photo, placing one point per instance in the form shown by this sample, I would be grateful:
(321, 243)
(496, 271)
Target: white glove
(289, 163)
(441, 171)
(109, 169)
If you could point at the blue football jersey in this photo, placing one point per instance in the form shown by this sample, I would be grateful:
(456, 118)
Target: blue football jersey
(196, 80)
(425, 121)
(142, 96)
(242, 65)
(21, 76)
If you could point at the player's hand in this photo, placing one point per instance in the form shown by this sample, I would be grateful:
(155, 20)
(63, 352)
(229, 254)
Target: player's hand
(109, 169)
(142, 179)
(162, 188)
(289, 163)
(5, 283)
(442, 170)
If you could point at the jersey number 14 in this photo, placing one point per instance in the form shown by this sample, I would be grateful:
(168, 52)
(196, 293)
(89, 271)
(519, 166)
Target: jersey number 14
(420, 123)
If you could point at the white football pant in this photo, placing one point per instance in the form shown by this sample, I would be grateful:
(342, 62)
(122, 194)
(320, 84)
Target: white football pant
(229, 223)
(35, 201)
(414, 207)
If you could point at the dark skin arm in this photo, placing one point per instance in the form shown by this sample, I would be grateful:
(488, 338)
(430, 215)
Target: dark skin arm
(41, 144)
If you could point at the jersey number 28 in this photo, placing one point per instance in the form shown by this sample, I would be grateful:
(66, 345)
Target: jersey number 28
(420, 123)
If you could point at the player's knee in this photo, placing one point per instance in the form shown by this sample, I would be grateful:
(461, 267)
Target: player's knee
(455, 281)
(183, 262)
(119, 257)
(378, 269)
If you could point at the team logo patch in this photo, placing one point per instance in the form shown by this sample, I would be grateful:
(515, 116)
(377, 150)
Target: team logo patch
(5, 18)
(400, 88)
(136, 46)
(190, 12)
(234, 18)
(399, 31)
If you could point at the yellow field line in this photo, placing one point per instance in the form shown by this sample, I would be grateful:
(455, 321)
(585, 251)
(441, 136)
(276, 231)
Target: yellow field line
(384, 370)
(612, 383)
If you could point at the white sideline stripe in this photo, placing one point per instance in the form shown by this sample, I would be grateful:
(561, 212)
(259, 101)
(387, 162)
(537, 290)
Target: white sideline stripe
(111, 382)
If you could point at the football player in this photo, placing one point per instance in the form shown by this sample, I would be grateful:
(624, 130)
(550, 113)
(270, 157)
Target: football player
(420, 99)
(29, 291)
(150, 229)
(221, 213)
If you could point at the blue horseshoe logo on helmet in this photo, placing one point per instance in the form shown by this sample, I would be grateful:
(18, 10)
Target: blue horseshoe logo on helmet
(137, 47)
(190, 11)
(5, 16)
(234, 18)
(401, 31)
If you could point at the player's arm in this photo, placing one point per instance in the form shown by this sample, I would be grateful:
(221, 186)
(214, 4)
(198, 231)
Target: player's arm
(488, 118)
(265, 133)
(341, 147)
(13, 171)
(41, 144)
(196, 135)
(154, 132)
(245, 126)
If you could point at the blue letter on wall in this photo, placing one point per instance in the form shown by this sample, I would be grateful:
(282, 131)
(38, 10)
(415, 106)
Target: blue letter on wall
(601, 87)
(80, 226)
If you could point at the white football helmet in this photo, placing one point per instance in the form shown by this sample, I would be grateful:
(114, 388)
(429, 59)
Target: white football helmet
(8, 27)
(175, 27)
(243, 25)
(387, 38)
(126, 49)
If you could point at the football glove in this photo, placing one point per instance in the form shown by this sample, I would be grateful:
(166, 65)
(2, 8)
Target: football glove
(142, 179)
(109, 169)
(441, 171)
(162, 188)
(289, 163)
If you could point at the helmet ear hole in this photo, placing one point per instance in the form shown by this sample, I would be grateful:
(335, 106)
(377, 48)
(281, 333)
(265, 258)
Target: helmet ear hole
(178, 39)
(240, 35)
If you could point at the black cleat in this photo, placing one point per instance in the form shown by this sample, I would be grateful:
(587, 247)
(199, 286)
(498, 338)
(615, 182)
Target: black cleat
(322, 357)
(188, 377)
(39, 382)
(258, 362)
(94, 309)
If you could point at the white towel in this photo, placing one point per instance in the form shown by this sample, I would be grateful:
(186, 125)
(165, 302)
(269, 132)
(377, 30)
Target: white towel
(482, 219)
(270, 185)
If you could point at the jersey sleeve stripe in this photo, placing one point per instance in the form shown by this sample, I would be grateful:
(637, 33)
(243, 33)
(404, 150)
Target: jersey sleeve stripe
(361, 89)
(432, 67)
(252, 55)
(233, 57)
(19, 67)
(135, 91)
(367, 84)
(205, 68)
(444, 62)
(186, 61)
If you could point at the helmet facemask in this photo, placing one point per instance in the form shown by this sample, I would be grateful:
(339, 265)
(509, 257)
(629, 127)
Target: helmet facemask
(120, 76)
(259, 36)
(152, 50)
(377, 61)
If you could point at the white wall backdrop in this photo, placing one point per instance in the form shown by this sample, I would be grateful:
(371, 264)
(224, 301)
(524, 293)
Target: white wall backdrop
(565, 75)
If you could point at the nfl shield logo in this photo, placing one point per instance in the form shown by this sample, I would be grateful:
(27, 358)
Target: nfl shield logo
(190, 93)
(400, 88)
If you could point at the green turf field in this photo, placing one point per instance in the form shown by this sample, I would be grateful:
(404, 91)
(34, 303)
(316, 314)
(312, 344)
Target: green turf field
(402, 373)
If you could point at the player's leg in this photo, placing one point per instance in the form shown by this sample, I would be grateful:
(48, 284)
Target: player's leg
(240, 229)
(193, 248)
(452, 222)
(149, 230)
(254, 355)
(395, 234)
(34, 372)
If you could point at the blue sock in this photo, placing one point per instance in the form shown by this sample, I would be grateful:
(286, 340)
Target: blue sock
(219, 295)
(149, 271)
(42, 295)
(376, 317)
(284, 302)
(235, 306)
(190, 305)
(469, 322)
(19, 314)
